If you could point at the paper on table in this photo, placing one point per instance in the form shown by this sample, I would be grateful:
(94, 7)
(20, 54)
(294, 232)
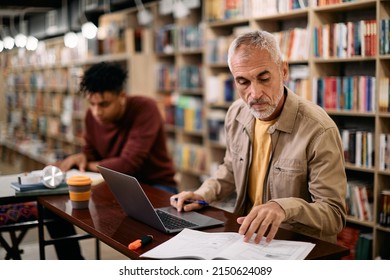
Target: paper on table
(193, 244)
(95, 176)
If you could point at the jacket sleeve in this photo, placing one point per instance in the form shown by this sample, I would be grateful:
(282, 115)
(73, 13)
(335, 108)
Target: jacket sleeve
(222, 183)
(326, 214)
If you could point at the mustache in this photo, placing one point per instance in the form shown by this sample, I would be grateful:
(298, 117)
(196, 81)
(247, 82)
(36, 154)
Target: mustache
(258, 101)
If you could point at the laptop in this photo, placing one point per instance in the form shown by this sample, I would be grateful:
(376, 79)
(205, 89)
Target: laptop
(134, 202)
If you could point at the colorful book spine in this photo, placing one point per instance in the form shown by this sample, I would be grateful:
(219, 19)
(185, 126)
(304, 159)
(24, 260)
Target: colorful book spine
(346, 39)
(358, 147)
(384, 212)
(352, 93)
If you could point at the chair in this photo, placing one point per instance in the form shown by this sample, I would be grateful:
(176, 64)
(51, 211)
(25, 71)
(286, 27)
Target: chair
(16, 219)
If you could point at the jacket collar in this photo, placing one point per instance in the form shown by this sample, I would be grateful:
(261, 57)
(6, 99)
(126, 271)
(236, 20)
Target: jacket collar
(286, 119)
(289, 112)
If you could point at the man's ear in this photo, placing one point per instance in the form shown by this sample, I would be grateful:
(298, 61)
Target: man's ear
(122, 98)
(285, 72)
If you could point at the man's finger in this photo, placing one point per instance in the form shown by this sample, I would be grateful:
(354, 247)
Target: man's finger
(272, 232)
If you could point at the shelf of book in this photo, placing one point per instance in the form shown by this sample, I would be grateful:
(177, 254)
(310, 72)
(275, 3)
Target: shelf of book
(365, 69)
(44, 108)
(180, 90)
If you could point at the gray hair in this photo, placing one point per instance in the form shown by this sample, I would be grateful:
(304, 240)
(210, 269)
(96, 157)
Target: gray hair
(259, 39)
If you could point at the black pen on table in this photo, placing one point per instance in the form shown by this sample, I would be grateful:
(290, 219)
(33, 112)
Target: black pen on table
(199, 201)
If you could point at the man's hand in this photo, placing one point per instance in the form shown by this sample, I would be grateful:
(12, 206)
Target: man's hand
(179, 201)
(79, 160)
(92, 166)
(260, 219)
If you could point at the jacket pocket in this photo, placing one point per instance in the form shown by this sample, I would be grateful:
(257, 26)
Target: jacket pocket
(289, 178)
(237, 153)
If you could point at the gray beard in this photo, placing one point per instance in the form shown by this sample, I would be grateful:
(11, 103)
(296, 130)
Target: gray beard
(262, 115)
(268, 112)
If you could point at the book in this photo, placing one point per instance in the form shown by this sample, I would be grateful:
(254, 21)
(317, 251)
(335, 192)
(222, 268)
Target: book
(63, 189)
(194, 244)
(364, 247)
(348, 237)
(30, 187)
(384, 212)
(95, 177)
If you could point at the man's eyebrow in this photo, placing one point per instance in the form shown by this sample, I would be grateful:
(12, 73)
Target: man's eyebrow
(265, 72)
(100, 102)
(239, 78)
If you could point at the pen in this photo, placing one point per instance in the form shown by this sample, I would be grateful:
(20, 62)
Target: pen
(200, 202)
(140, 242)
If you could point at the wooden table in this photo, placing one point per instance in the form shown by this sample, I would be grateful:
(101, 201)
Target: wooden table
(105, 220)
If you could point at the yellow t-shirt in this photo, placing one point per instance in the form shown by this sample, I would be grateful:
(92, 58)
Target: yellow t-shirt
(260, 160)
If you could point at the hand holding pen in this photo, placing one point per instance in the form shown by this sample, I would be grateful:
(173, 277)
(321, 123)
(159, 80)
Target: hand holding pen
(188, 201)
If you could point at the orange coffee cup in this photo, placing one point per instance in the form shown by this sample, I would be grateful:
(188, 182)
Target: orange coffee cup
(79, 191)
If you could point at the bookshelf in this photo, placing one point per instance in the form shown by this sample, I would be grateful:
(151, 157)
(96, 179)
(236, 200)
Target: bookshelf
(184, 62)
(348, 76)
(180, 91)
(44, 118)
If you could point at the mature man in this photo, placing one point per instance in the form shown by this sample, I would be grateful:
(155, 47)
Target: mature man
(284, 155)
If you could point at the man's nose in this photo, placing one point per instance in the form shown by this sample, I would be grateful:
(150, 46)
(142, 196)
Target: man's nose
(256, 90)
(96, 110)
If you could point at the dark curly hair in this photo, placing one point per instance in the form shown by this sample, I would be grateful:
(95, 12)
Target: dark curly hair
(103, 76)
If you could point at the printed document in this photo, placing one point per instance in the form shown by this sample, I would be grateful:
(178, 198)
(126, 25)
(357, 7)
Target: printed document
(194, 244)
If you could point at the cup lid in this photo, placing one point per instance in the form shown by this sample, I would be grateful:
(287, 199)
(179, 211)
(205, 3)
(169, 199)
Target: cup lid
(79, 180)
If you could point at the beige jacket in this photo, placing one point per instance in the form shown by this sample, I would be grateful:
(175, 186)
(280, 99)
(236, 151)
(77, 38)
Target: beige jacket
(306, 174)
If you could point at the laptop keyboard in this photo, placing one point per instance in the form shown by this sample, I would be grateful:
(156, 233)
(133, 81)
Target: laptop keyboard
(173, 222)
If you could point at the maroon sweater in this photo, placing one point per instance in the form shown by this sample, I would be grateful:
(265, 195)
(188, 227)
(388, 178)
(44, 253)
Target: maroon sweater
(135, 145)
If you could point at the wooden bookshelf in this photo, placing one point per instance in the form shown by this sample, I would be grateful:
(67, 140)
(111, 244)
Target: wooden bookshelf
(166, 62)
(44, 108)
(179, 49)
(312, 68)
